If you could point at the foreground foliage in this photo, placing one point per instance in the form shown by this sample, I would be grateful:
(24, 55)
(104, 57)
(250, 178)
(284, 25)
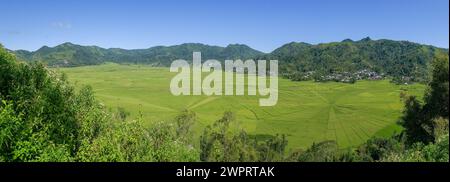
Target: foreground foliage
(43, 118)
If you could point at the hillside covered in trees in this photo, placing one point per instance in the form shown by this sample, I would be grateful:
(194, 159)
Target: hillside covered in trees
(401, 60)
(344, 61)
(69, 54)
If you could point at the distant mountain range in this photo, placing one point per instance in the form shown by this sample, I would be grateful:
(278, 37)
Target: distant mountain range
(394, 58)
(69, 54)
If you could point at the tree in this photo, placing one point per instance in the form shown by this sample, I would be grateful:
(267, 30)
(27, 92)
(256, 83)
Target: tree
(326, 151)
(219, 143)
(414, 122)
(440, 127)
(437, 96)
(273, 149)
(419, 152)
(376, 149)
(420, 122)
(184, 122)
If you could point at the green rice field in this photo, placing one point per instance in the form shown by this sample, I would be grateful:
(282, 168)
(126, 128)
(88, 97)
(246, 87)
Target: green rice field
(306, 111)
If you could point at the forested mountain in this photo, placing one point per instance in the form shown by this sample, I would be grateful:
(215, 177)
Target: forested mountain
(403, 61)
(69, 54)
(400, 59)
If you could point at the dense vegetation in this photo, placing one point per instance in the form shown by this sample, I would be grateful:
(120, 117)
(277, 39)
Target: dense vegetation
(43, 118)
(403, 61)
(69, 54)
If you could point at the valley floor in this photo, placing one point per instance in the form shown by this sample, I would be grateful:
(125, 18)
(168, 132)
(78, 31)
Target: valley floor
(306, 112)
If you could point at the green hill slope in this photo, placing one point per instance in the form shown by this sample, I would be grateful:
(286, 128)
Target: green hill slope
(399, 59)
(69, 54)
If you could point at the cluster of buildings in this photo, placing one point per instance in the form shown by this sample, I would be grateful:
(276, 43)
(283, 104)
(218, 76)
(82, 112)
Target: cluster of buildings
(349, 77)
(345, 77)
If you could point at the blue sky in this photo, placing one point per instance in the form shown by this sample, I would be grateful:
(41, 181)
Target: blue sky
(261, 24)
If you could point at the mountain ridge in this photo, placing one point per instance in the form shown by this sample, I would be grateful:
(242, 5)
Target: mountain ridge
(69, 54)
(401, 59)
